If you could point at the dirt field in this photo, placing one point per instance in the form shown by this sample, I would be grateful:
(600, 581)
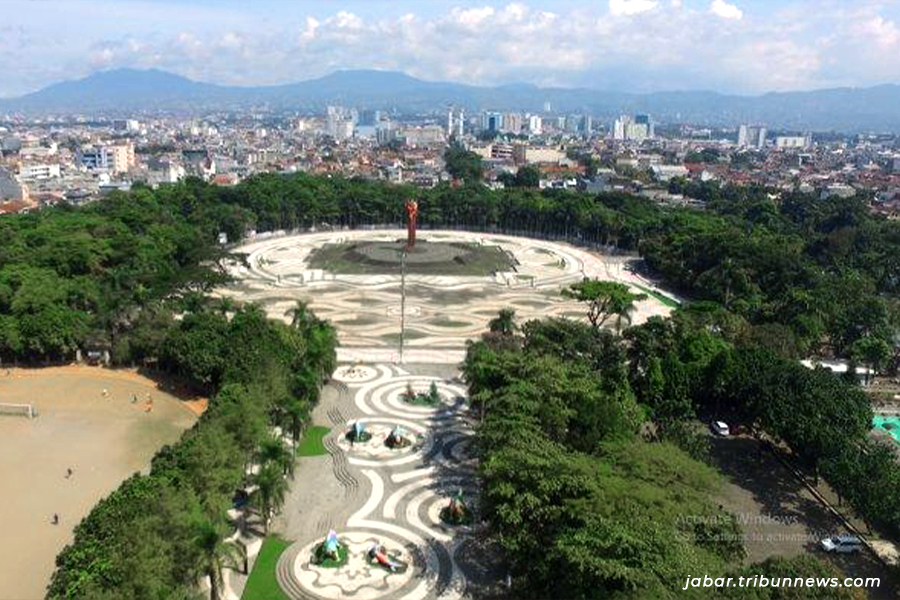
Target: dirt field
(102, 437)
(780, 517)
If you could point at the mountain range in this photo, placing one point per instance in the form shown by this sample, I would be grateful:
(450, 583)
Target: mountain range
(129, 90)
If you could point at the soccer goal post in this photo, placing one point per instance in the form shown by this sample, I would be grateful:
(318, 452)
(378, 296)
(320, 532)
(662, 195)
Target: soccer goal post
(21, 410)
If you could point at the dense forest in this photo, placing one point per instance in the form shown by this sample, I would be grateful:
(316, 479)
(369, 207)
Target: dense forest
(131, 274)
(593, 456)
(769, 279)
(801, 275)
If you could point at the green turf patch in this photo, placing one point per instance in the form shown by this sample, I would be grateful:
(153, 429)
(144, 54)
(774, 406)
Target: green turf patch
(311, 444)
(442, 297)
(530, 303)
(444, 322)
(409, 334)
(262, 584)
(320, 560)
(427, 258)
(359, 321)
(665, 300)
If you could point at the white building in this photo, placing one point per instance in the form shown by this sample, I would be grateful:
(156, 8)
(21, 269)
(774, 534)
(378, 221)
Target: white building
(752, 136)
(789, 142)
(635, 129)
(129, 125)
(34, 172)
(667, 172)
(532, 154)
(116, 159)
(420, 136)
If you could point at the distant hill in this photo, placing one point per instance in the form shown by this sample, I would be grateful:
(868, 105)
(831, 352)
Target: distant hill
(128, 90)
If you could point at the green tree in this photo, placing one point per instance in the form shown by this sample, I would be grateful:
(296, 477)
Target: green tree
(271, 491)
(462, 164)
(605, 300)
(504, 323)
(213, 553)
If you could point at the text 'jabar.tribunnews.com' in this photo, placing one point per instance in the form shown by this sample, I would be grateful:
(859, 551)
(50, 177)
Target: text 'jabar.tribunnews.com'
(761, 581)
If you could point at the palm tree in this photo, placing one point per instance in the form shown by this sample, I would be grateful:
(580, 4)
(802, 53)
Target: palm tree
(214, 553)
(294, 413)
(271, 489)
(504, 323)
(302, 318)
(273, 452)
(226, 305)
(621, 306)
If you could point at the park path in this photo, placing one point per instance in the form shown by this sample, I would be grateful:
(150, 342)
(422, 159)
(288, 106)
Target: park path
(369, 493)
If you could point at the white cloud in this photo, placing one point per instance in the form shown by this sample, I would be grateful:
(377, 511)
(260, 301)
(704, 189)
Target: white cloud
(883, 32)
(631, 7)
(815, 43)
(722, 9)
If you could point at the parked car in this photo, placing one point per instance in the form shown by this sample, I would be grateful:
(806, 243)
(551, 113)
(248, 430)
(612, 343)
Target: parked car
(720, 428)
(842, 544)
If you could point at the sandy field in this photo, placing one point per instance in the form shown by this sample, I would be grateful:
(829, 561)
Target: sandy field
(103, 438)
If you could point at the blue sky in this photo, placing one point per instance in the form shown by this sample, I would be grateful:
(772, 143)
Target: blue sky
(738, 46)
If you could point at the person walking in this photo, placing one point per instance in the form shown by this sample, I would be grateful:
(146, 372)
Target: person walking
(55, 520)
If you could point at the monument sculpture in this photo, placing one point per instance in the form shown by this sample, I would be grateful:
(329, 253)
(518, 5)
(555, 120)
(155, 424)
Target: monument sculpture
(331, 553)
(457, 512)
(412, 216)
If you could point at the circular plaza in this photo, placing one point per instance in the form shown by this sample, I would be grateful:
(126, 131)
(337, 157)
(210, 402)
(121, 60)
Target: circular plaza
(455, 282)
(395, 504)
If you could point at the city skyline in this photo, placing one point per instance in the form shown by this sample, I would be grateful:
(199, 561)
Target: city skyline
(624, 45)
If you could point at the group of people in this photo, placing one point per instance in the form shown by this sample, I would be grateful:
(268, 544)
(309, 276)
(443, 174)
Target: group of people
(55, 519)
(148, 405)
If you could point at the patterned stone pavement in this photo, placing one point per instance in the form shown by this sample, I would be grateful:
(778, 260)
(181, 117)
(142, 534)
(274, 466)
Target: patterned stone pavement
(405, 490)
(442, 312)
(372, 494)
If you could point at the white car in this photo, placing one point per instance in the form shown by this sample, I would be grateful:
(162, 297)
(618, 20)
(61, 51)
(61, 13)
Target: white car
(720, 428)
(842, 544)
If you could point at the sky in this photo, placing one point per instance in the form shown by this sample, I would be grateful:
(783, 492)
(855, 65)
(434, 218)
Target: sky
(730, 46)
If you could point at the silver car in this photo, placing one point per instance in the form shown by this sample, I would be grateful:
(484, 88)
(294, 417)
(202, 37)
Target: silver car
(842, 544)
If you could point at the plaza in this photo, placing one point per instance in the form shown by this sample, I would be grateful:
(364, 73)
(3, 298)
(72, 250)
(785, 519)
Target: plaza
(370, 494)
(441, 311)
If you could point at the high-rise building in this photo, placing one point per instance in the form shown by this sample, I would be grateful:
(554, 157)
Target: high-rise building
(636, 129)
(339, 122)
(535, 124)
(93, 158)
(492, 122)
(512, 123)
(649, 128)
(586, 126)
(370, 117)
(752, 136)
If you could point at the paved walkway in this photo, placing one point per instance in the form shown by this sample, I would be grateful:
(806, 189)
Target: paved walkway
(374, 494)
(442, 312)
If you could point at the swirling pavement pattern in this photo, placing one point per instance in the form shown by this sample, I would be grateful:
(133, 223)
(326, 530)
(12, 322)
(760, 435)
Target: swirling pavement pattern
(406, 490)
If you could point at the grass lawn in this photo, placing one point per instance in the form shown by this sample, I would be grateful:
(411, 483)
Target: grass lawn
(444, 258)
(445, 322)
(311, 444)
(262, 584)
(671, 303)
(410, 334)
